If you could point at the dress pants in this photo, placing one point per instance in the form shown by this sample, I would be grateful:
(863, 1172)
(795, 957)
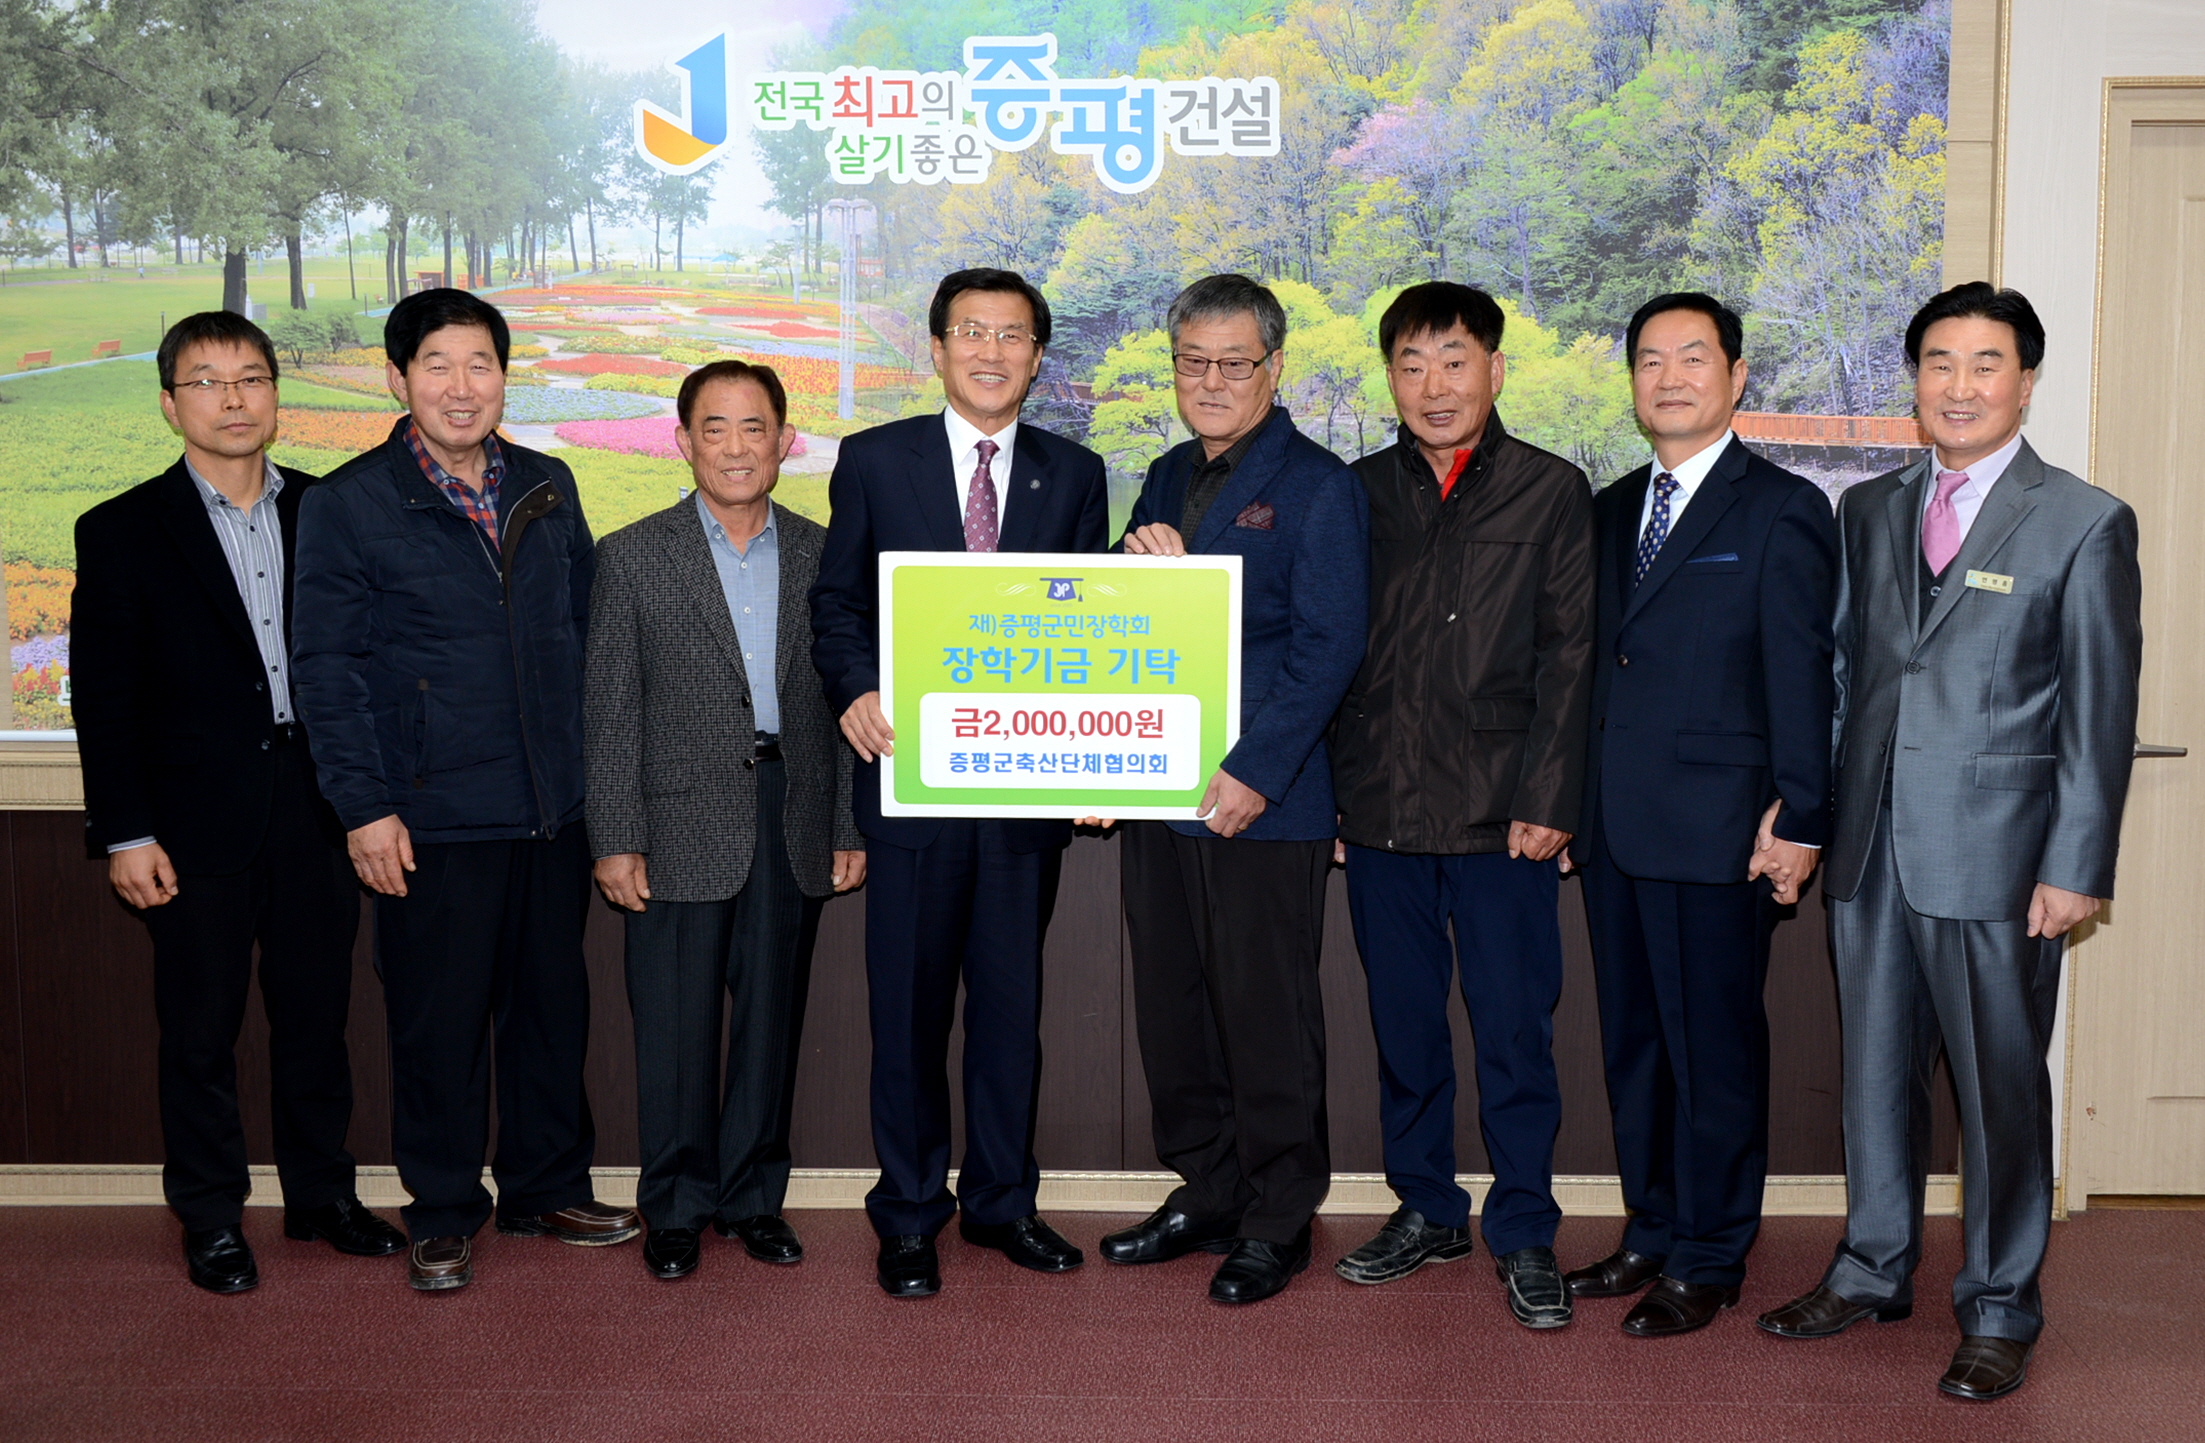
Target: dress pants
(714, 1149)
(488, 939)
(1225, 935)
(1680, 968)
(965, 905)
(1986, 991)
(299, 900)
(1508, 942)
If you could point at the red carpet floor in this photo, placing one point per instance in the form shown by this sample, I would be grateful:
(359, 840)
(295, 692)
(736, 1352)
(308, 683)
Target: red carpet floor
(102, 1338)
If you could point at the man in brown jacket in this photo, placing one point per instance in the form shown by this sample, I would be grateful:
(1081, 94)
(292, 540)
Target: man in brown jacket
(1457, 761)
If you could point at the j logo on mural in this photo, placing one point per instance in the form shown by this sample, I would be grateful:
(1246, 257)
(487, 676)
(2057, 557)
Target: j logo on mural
(688, 142)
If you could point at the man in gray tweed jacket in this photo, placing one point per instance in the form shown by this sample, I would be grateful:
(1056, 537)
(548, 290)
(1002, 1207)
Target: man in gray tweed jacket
(719, 814)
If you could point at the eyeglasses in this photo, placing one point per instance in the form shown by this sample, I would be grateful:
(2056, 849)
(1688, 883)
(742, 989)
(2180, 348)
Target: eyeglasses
(1232, 368)
(209, 386)
(1011, 338)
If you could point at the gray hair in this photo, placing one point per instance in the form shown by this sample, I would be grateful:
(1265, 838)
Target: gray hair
(1217, 298)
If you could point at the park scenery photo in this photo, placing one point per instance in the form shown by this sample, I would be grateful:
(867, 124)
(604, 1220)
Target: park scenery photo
(720, 192)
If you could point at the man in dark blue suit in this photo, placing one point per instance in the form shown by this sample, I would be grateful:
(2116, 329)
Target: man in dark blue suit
(1709, 769)
(958, 897)
(1226, 914)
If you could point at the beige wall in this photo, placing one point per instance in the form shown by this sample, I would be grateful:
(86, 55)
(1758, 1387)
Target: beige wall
(2060, 52)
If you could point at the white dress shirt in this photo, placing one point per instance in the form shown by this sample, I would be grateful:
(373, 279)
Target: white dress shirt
(964, 459)
(1967, 501)
(1689, 473)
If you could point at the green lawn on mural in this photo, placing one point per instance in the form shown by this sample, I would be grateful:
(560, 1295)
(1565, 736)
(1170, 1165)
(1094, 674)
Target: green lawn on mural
(1047, 685)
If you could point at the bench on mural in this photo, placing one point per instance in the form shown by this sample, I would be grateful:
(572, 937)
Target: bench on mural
(34, 359)
(106, 348)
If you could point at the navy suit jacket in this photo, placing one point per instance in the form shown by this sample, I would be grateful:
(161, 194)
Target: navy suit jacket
(892, 490)
(1300, 520)
(1712, 686)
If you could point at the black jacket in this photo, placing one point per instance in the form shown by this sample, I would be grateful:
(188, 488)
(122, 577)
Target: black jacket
(174, 725)
(1712, 689)
(1469, 711)
(438, 682)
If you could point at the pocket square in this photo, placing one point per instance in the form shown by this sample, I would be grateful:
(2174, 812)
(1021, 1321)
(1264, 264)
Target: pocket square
(1256, 516)
(1726, 556)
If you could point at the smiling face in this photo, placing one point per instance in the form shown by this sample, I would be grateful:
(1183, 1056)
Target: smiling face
(455, 389)
(1217, 409)
(734, 444)
(230, 421)
(1444, 386)
(985, 380)
(1970, 390)
(1684, 387)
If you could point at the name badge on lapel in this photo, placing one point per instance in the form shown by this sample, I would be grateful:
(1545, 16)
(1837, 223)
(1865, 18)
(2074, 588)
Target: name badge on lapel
(1991, 581)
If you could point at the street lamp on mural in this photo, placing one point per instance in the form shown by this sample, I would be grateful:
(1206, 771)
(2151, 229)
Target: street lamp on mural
(847, 212)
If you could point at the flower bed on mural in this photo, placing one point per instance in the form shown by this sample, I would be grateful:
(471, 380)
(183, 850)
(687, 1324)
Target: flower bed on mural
(769, 311)
(791, 330)
(364, 379)
(549, 405)
(597, 363)
(646, 436)
(38, 603)
(348, 431)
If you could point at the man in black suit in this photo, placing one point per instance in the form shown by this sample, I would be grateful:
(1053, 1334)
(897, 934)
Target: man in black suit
(719, 814)
(200, 792)
(1709, 769)
(958, 896)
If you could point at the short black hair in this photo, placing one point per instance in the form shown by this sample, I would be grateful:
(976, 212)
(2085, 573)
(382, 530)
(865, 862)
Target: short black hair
(986, 278)
(424, 313)
(731, 370)
(210, 328)
(1219, 297)
(1437, 307)
(1981, 299)
(1730, 332)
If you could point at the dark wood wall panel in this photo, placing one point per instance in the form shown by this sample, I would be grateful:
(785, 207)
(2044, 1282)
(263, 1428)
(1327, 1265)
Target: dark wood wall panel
(77, 1035)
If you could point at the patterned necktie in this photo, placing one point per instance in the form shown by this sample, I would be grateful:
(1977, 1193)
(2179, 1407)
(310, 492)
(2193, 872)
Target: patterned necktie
(1657, 526)
(980, 524)
(1941, 524)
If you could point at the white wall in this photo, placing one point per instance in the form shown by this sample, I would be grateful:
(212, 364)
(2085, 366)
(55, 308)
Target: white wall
(2060, 53)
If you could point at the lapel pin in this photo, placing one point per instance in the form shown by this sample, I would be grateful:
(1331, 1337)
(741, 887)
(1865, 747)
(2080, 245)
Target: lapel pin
(1034, 485)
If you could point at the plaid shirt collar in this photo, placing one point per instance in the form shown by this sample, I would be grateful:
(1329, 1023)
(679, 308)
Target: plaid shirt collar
(482, 508)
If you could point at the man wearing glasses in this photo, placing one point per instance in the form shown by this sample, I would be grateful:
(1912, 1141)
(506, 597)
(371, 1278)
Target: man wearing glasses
(199, 789)
(951, 898)
(1227, 913)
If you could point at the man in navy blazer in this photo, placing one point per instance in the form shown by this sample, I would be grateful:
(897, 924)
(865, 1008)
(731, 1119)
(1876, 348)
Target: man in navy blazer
(1226, 914)
(1709, 769)
(955, 897)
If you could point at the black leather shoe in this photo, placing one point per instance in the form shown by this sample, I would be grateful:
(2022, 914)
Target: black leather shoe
(1823, 1314)
(1671, 1307)
(1407, 1242)
(765, 1237)
(909, 1267)
(220, 1260)
(345, 1225)
(1256, 1270)
(1028, 1242)
(671, 1253)
(1164, 1235)
(1537, 1297)
(1986, 1368)
(1617, 1275)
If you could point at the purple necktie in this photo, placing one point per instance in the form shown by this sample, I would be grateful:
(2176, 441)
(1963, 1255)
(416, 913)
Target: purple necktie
(1941, 524)
(980, 503)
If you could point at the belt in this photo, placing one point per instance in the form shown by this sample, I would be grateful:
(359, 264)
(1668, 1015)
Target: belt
(767, 748)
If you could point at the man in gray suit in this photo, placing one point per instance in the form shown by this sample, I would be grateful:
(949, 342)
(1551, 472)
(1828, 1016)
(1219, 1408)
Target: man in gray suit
(1988, 644)
(719, 813)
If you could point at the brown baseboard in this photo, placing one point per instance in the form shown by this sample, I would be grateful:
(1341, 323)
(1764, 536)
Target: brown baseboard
(2172, 1202)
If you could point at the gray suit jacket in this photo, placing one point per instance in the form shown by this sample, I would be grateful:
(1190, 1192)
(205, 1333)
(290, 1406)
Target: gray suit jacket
(666, 719)
(2005, 720)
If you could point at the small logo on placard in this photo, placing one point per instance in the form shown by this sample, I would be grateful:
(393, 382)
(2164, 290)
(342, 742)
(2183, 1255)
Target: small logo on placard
(1063, 588)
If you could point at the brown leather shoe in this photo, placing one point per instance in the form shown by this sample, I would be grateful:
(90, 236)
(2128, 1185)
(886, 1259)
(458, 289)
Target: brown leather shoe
(1617, 1275)
(586, 1225)
(1986, 1368)
(1823, 1314)
(1671, 1307)
(435, 1265)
